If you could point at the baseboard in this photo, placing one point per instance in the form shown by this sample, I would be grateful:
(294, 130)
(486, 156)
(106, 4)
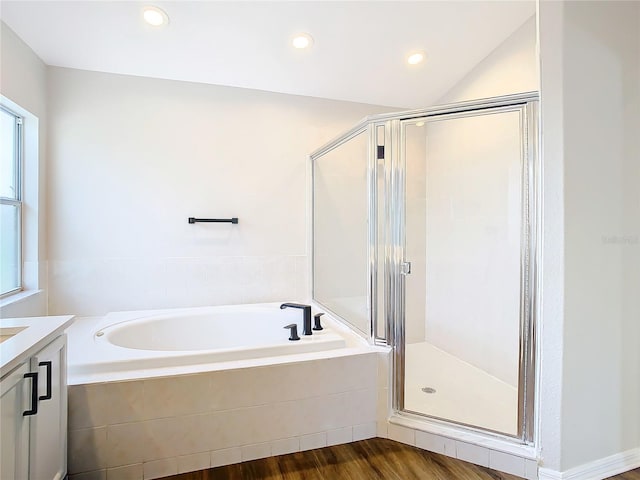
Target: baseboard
(597, 470)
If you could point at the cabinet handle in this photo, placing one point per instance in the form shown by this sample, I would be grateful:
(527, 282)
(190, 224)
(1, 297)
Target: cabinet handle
(34, 394)
(46, 396)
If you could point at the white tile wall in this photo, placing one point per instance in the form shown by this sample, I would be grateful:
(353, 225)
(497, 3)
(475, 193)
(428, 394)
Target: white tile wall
(98, 286)
(531, 469)
(95, 475)
(190, 422)
(124, 401)
(383, 404)
(146, 428)
(285, 446)
(363, 405)
(339, 436)
(160, 468)
(382, 429)
(402, 434)
(176, 396)
(384, 360)
(227, 429)
(472, 453)
(302, 277)
(364, 431)
(194, 462)
(87, 406)
(507, 463)
(255, 451)
(383, 366)
(436, 443)
(315, 440)
(261, 257)
(128, 472)
(226, 456)
(126, 443)
(483, 456)
(87, 450)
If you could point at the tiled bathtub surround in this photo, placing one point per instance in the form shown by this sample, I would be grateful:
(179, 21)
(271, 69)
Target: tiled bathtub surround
(161, 426)
(144, 429)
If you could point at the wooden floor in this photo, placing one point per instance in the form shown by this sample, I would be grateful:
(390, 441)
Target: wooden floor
(376, 458)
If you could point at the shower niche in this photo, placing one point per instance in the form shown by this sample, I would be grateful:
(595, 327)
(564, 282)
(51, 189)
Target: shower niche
(425, 238)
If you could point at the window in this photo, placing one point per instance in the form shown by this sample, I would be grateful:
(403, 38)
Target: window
(10, 202)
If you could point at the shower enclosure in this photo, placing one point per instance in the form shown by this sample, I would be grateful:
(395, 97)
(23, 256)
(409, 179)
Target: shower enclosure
(425, 239)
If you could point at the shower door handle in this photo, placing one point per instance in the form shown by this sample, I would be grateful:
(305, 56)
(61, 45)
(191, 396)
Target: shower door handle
(405, 268)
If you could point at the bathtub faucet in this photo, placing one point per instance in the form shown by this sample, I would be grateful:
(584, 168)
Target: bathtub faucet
(306, 326)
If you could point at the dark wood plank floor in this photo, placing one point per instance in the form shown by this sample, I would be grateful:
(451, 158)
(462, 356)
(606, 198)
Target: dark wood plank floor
(372, 459)
(632, 475)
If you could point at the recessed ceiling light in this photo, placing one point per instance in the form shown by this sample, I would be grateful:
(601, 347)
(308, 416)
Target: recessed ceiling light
(420, 124)
(416, 58)
(302, 40)
(155, 16)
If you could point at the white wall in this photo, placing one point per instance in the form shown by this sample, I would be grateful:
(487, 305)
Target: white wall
(602, 229)
(23, 74)
(511, 68)
(23, 78)
(591, 115)
(550, 332)
(132, 158)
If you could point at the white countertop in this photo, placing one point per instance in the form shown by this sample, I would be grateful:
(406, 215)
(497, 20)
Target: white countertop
(39, 332)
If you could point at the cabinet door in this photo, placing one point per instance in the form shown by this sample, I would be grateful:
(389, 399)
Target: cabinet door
(48, 453)
(14, 440)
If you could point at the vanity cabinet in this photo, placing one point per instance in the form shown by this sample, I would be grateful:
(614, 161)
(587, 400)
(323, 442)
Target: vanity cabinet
(14, 440)
(48, 430)
(34, 416)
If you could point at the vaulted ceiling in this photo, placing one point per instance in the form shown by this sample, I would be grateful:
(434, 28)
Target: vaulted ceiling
(359, 50)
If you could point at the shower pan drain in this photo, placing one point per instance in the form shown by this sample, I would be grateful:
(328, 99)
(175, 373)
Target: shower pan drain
(429, 390)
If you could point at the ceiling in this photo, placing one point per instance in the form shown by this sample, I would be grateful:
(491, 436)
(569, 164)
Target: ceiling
(359, 52)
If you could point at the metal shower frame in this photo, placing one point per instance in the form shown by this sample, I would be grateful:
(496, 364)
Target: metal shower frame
(387, 265)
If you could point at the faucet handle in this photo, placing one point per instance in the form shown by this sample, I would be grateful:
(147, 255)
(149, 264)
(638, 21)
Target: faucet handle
(294, 332)
(316, 321)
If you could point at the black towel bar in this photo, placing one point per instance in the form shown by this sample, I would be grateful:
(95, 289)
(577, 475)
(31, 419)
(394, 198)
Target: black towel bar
(213, 220)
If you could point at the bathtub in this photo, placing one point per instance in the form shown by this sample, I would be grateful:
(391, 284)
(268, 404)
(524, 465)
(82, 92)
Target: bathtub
(142, 344)
(192, 388)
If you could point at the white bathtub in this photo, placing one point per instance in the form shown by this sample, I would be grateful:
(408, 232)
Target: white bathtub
(140, 344)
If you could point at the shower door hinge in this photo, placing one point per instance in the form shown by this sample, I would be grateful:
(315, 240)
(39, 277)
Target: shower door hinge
(405, 268)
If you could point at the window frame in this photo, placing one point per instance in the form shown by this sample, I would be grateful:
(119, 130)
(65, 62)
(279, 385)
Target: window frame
(17, 201)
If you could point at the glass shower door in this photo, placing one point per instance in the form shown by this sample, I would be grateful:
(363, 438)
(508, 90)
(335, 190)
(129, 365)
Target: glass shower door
(466, 217)
(341, 230)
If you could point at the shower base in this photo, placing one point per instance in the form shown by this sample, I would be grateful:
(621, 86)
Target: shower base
(461, 392)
